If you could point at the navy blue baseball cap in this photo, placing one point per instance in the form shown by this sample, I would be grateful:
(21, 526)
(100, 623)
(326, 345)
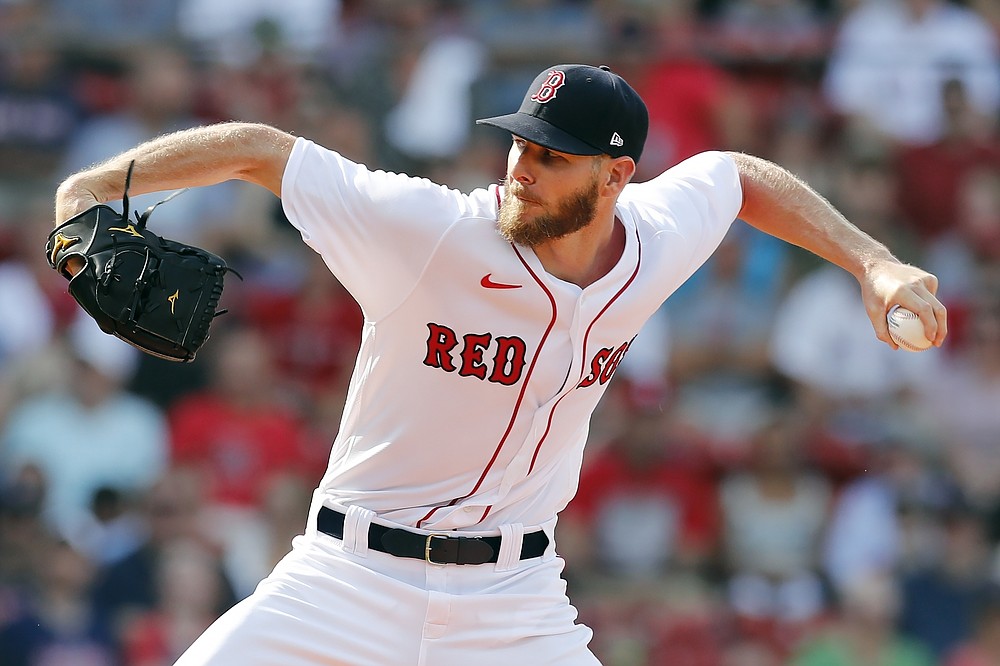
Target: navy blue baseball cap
(580, 110)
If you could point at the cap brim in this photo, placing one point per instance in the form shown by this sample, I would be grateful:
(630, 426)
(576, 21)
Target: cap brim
(541, 132)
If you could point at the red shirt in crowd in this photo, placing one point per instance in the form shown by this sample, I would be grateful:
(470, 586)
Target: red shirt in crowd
(237, 449)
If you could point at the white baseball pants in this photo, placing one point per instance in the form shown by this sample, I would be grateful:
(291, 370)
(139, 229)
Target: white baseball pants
(333, 602)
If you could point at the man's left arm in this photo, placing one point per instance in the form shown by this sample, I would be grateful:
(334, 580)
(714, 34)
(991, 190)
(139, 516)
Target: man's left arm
(780, 204)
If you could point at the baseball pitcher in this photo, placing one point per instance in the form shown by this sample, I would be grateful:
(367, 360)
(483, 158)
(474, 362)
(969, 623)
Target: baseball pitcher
(494, 321)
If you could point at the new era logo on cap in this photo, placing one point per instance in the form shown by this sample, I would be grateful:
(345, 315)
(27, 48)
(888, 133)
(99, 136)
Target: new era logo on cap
(576, 108)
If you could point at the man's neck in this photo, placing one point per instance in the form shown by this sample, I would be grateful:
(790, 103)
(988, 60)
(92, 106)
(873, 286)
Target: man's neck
(584, 257)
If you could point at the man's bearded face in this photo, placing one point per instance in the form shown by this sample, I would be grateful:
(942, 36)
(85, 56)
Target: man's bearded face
(519, 221)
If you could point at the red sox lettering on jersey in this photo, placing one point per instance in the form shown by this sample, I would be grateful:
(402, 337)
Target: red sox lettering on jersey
(506, 364)
(604, 364)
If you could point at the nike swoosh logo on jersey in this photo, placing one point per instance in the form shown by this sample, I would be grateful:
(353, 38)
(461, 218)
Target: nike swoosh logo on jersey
(490, 284)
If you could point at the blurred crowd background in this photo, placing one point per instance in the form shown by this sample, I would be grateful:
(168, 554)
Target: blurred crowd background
(766, 482)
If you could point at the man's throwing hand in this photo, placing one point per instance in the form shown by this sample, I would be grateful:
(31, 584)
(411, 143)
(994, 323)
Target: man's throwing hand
(890, 283)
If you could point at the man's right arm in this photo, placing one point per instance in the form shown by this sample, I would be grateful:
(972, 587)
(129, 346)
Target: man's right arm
(195, 157)
(780, 204)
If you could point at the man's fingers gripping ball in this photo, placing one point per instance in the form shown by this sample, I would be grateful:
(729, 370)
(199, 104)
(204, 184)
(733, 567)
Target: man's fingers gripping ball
(906, 330)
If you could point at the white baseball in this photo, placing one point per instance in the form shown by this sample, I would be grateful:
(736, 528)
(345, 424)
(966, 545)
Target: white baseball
(906, 330)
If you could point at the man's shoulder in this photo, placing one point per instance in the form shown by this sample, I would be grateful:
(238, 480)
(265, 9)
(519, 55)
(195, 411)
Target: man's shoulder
(709, 168)
(483, 202)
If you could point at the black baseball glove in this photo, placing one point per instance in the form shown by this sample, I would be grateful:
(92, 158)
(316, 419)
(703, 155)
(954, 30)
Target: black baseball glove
(157, 294)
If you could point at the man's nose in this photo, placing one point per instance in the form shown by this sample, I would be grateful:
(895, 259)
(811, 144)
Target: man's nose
(520, 170)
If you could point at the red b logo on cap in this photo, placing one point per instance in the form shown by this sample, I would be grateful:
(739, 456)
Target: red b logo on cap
(554, 82)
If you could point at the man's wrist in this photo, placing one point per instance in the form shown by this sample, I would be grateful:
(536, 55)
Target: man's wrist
(872, 261)
(73, 198)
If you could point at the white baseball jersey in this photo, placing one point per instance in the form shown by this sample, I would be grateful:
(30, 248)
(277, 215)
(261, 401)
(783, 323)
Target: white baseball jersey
(478, 372)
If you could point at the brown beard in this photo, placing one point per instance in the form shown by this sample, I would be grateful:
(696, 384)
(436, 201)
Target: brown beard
(573, 213)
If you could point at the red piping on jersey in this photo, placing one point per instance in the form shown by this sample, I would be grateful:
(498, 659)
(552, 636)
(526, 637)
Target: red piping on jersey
(520, 396)
(586, 338)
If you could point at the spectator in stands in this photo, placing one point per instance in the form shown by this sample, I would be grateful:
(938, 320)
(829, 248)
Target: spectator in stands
(979, 223)
(88, 434)
(190, 592)
(891, 58)
(251, 553)
(313, 330)
(236, 31)
(801, 137)
(523, 35)
(133, 586)
(113, 530)
(774, 513)
(864, 631)
(770, 32)
(23, 534)
(694, 103)
(429, 121)
(236, 433)
(651, 483)
(27, 320)
(57, 623)
(38, 114)
(939, 600)
(886, 518)
(931, 174)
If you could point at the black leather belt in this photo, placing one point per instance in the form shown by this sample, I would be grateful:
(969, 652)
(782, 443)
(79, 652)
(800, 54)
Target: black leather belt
(435, 548)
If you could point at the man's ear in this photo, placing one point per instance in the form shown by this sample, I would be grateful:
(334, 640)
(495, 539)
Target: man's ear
(619, 172)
